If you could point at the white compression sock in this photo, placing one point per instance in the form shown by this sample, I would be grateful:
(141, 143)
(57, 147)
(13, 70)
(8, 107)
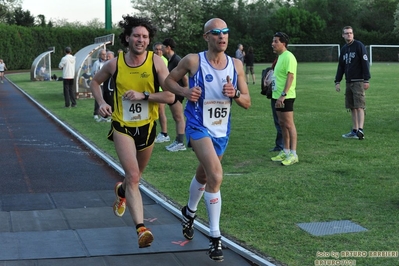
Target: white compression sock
(213, 203)
(196, 192)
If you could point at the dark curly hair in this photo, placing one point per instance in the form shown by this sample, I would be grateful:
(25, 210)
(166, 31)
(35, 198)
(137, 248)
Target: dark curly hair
(130, 22)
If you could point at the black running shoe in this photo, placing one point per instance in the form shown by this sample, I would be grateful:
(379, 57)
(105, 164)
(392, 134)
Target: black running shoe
(215, 249)
(360, 134)
(187, 223)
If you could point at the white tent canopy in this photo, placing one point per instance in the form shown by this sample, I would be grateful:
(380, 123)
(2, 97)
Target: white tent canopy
(85, 58)
(41, 66)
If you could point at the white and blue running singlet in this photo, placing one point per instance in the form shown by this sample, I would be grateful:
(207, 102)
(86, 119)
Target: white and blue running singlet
(212, 110)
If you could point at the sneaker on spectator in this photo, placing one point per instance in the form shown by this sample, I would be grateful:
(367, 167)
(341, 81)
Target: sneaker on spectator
(280, 157)
(350, 135)
(99, 118)
(215, 249)
(162, 138)
(291, 159)
(171, 145)
(176, 146)
(360, 134)
(145, 237)
(187, 223)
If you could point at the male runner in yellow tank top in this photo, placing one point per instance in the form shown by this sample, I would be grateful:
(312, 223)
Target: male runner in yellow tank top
(138, 75)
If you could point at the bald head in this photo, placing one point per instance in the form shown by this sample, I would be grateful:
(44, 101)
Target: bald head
(214, 23)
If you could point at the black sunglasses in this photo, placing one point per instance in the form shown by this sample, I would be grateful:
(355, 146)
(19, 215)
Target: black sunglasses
(218, 31)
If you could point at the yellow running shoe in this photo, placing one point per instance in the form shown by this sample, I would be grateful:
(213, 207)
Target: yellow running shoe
(280, 157)
(291, 159)
(145, 237)
(120, 203)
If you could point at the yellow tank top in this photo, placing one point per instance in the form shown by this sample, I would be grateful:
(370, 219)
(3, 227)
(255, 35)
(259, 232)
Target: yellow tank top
(142, 78)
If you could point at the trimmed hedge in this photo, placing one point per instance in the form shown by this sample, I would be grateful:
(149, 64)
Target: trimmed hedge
(21, 45)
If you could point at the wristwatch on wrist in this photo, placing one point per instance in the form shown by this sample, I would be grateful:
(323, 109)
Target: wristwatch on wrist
(283, 94)
(146, 95)
(237, 94)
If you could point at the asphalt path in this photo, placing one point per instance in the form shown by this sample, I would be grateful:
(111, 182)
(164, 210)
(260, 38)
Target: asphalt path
(56, 192)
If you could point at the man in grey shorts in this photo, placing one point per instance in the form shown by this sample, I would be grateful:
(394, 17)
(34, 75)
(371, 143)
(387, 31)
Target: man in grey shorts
(354, 63)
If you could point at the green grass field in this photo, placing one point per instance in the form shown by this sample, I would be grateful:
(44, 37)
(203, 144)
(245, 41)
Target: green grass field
(335, 179)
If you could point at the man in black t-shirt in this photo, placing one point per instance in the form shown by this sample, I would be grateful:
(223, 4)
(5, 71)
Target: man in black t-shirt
(109, 87)
(177, 107)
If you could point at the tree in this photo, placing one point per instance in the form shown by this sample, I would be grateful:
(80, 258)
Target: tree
(64, 23)
(21, 18)
(301, 25)
(7, 7)
(258, 31)
(181, 20)
(335, 13)
(95, 24)
(396, 19)
(378, 10)
(41, 21)
(60, 22)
